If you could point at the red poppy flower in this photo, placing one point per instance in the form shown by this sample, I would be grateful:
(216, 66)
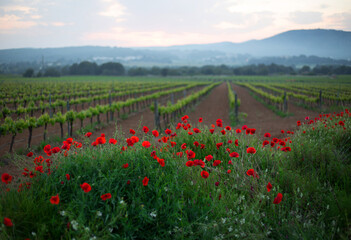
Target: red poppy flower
(267, 135)
(164, 139)
(244, 127)
(55, 150)
(252, 131)
(6, 178)
(234, 154)
(112, 141)
(250, 172)
(196, 143)
(145, 129)
(341, 123)
(30, 154)
(69, 140)
(68, 177)
(189, 163)
(168, 131)
(128, 182)
(55, 199)
(135, 139)
(196, 130)
(146, 144)
(251, 150)
(145, 181)
(209, 158)
(132, 131)
(229, 171)
(106, 196)
(238, 130)
(155, 133)
(8, 222)
(161, 162)
(230, 162)
(282, 131)
(236, 142)
(86, 187)
(218, 145)
(190, 154)
(88, 134)
(190, 133)
(269, 187)
(204, 174)
(101, 140)
(202, 146)
(211, 131)
(94, 144)
(200, 120)
(102, 135)
(216, 162)
(47, 148)
(125, 165)
(223, 132)
(278, 199)
(198, 162)
(298, 123)
(265, 142)
(39, 169)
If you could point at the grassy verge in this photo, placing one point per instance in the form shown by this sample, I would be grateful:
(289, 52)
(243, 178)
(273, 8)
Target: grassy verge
(209, 200)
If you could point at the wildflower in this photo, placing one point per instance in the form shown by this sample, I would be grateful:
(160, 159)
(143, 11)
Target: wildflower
(112, 141)
(146, 144)
(145, 181)
(106, 196)
(88, 134)
(55, 199)
(132, 131)
(85, 187)
(278, 199)
(155, 133)
(8, 222)
(145, 129)
(267, 135)
(269, 187)
(6, 178)
(29, 154)
(251, 150)
(204, 174)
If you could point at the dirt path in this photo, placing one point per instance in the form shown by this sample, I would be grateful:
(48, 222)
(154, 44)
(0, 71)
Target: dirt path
(214, 106)
(264, 120)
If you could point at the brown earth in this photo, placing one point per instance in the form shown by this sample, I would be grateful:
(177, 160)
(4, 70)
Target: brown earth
(264, 120)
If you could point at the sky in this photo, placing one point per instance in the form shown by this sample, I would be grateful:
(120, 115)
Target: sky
(141, 23)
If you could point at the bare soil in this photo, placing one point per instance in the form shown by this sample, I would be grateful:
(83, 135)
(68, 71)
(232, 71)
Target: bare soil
(264, 120)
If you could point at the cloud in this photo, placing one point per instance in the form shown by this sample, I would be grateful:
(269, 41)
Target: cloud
(58, 24)
(340, 20)
(114, 10)
(123, 37)
(299, 17)
(17, 8)
(8, 22)
(36, 16)
(227, 25)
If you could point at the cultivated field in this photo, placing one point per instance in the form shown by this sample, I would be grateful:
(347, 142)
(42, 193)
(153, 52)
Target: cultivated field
(169, 158)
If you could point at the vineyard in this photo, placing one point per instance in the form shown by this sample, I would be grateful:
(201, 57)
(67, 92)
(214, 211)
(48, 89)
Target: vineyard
(47, 105)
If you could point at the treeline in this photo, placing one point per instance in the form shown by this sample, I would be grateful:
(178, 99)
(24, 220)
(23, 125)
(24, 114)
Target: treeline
(117, 69)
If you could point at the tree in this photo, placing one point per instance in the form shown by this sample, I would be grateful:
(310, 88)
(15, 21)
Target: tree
(28, 73)
(112, 68)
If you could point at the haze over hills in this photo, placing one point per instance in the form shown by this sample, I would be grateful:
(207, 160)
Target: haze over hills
(327, 46)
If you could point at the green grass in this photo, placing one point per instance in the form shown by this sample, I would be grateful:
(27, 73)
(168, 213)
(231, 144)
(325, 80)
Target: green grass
(178, 203)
